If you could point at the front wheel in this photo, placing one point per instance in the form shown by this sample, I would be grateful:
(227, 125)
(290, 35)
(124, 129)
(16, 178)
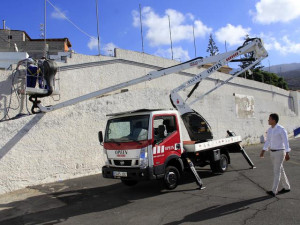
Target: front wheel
(221, 165)
(172, 177)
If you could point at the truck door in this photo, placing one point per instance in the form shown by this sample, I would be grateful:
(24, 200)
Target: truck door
(166, 140)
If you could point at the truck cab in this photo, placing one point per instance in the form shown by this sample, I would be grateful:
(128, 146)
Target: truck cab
(141, 145)
(147, 144)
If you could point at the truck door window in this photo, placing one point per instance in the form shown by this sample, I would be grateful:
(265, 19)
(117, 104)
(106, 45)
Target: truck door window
(163, 126)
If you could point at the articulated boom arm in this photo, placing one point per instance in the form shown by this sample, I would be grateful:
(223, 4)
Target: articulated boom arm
(254, 45)
(150, 76)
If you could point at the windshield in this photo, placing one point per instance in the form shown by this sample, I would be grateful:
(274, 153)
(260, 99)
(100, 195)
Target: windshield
(126, 129)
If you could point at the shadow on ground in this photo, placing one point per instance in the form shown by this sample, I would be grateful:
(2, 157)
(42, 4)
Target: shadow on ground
(88, 195)
(76, 199)
(218, 211)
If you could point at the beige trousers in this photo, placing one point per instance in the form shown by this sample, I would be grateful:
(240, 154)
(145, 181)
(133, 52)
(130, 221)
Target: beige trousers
(277, 158)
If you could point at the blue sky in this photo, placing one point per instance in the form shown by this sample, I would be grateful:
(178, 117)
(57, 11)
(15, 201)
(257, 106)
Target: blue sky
(277, 22)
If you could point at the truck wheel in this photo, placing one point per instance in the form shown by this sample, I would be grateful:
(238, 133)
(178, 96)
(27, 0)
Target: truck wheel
(129, 182)
(221, 165)
(172, 177)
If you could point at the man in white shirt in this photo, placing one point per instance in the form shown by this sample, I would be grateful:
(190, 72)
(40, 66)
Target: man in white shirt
(277, 142)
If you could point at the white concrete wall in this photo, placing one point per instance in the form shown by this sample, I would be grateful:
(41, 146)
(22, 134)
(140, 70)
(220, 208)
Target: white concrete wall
(63, 144)
(296, 100)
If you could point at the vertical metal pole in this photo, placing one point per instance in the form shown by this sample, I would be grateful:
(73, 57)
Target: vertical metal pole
(171, 37)
(194, 41)
(98, 27)
(141, 28)
(45, 28)
(226, 48)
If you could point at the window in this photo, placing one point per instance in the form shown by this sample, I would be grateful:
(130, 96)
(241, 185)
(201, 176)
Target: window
(163, 126)
(126, 129)
(118, 129)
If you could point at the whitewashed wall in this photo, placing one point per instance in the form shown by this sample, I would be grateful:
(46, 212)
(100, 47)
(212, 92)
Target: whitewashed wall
(63, 144)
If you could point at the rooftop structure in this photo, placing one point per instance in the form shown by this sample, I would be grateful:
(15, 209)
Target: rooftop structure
(20, 41)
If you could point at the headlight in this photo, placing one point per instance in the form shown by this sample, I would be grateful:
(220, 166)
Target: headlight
(143, 158)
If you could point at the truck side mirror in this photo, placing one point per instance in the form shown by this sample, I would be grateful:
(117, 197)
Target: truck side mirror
(100, 137)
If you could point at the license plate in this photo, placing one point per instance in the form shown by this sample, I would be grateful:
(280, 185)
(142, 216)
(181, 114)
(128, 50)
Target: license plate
(119, 174)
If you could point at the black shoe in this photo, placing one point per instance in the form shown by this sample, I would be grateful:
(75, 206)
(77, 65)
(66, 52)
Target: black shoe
(283, 190)
(271, 193)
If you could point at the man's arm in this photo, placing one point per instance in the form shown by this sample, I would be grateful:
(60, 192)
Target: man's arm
(266, 145)
(285, 140)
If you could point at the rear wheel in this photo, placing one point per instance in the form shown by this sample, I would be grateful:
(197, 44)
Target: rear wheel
(129, 182)
(221, 165)
(172, 177)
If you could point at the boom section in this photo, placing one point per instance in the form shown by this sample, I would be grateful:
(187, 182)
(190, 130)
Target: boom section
(253, 46)
(217, 60)
(150, 76)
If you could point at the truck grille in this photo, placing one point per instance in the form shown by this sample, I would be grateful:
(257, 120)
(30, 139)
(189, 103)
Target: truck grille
(123, 162)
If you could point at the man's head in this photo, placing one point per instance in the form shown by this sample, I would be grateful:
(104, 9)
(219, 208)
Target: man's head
(273, 119)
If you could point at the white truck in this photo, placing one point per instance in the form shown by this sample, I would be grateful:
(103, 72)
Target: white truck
(147, 144)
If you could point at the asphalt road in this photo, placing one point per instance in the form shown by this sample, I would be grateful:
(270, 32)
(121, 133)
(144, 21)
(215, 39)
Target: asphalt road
(235, 197)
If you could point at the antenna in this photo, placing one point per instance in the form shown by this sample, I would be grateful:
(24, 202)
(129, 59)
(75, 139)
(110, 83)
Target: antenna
(45, 16)
(141, 28)
(42, 34)
(170, 36)
(226, 48)
(97, 15)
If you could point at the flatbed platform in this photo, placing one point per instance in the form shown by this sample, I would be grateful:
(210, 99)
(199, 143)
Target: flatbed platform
(192, 146)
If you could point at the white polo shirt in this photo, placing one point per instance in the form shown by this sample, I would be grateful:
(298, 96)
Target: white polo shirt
(277, 139)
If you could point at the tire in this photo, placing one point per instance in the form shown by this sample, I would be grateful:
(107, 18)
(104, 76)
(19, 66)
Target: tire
(172, 177)
(221, 165)
(129, 183)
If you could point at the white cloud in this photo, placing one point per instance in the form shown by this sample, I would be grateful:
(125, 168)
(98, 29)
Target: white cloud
(157, 27)
(179, 54)
(284, 45)
(109, 48)
(58, 14)
(272, 11)
(93, 43)
(190, 16)
(233, 35)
